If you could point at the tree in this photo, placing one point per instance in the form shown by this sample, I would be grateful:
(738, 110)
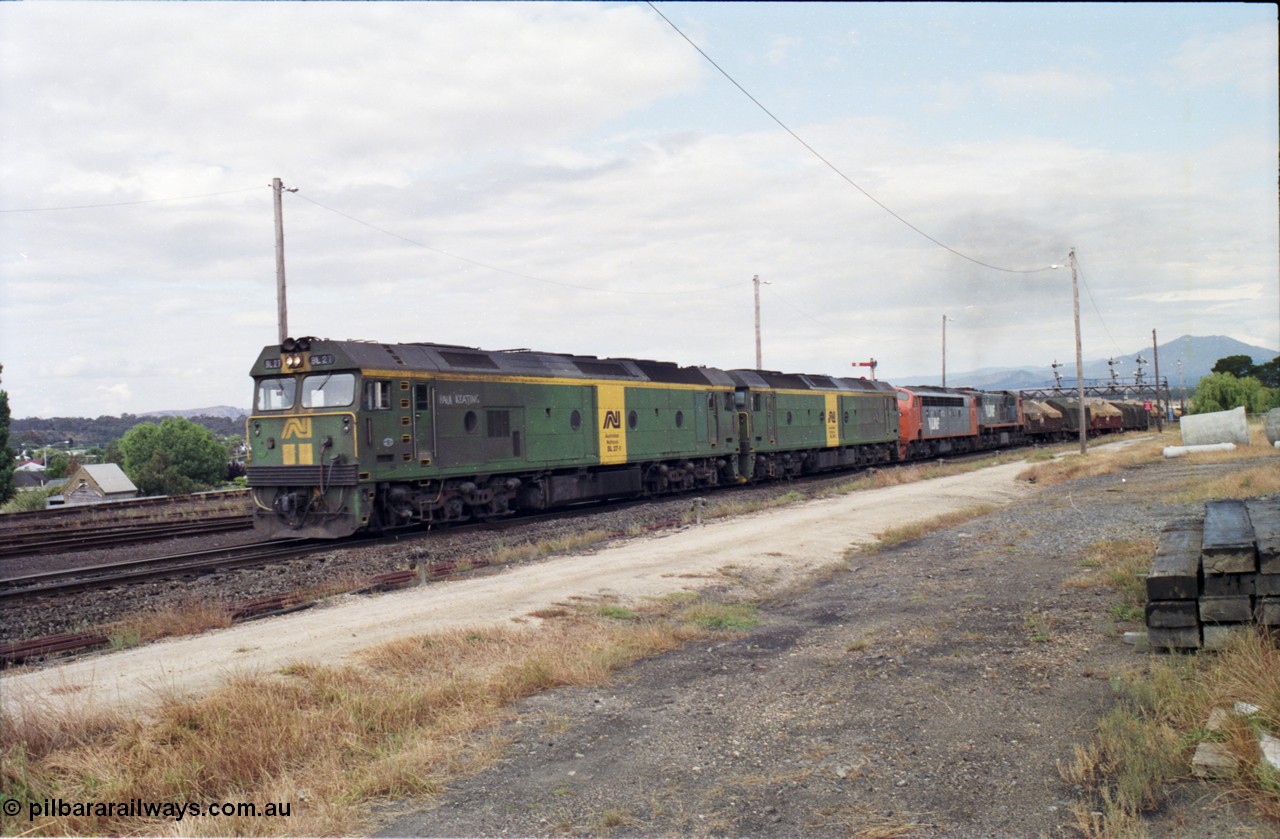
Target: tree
(1269, 373)
(7, 488)
(57, 465)
(172, 458)
(112, 454)
(1223, 391)
(1237, 365)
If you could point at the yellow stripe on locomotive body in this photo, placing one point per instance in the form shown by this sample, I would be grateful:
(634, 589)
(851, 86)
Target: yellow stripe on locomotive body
(833, 422)
(611, 403)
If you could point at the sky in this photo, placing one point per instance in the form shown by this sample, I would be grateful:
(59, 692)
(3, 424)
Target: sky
(577, 177)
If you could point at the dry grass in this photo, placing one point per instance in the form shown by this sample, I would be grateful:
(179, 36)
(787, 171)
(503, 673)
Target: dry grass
(1069, 464)
(558, 544)
(328, 739)
(1119, 565)
(1247, 483)
(860, 821)
(907, 532)
(187, 617)
(193, 615)
(1099, 461)
(1144, 745)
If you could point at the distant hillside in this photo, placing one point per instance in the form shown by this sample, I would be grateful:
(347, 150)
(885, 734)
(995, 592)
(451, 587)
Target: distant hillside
(1198, 355)
(218, 411)
(101, 431)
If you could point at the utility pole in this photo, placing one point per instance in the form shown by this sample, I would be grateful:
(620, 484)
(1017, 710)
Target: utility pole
(1155, 354)
(282, 308)
(756, 282)
(944, 350)
(1075, 304)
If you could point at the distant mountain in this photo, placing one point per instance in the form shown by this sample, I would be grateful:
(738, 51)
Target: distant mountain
(1198, 355)
(225, 411)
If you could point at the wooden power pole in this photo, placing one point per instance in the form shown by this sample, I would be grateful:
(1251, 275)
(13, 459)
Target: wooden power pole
(1075, 303)
(756, 282)
(282, 308)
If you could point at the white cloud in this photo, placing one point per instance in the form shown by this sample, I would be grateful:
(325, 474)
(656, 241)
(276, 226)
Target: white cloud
(1047, 84)
(1235, 294)
(1244, 60)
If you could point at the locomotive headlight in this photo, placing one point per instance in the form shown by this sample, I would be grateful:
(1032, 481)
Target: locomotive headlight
(293, 361)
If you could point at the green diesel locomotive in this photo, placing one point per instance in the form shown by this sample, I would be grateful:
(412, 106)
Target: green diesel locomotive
(353, 435)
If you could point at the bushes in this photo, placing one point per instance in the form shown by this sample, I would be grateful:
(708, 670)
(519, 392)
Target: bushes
(172, 458)
(1223, 391)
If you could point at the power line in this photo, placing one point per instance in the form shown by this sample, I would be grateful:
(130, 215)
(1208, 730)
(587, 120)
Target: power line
(831, 165)
(506, 271)
(129, 203)
(802, 312)
(1096, 310)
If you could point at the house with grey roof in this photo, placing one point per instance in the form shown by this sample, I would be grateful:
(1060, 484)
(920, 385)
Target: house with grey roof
(96, 482)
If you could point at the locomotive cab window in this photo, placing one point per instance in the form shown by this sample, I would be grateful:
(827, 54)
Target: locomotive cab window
(377, 395)
(277, 394)
(330, 390)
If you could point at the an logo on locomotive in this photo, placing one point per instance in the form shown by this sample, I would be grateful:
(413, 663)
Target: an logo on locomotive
(297, 454)
(613, 419)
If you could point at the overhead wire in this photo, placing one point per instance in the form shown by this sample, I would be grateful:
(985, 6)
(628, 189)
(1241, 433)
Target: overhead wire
(831, 165)
(1096, 310)
(802, 312)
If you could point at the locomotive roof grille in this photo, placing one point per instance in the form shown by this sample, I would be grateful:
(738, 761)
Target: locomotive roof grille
(474, 360)
(603, 368)
(943, 401)
(661, 372)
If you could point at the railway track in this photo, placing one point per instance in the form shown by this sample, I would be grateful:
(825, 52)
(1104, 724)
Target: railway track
(183, 564)
(93, 537)
(132, 507)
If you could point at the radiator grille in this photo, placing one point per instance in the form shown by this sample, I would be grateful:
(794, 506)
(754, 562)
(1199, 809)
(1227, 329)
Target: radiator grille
(342, 474)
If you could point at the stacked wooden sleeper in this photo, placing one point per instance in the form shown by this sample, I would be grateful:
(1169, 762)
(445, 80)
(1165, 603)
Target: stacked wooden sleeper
(1213, 575)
